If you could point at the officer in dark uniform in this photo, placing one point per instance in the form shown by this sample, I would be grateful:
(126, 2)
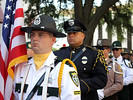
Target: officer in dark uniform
(90, 63)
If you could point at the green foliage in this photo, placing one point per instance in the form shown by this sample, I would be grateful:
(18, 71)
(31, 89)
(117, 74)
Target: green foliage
(118, 19)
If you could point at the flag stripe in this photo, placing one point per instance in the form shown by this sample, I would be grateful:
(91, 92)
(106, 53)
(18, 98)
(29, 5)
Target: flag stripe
(17, 38)
(19, 13)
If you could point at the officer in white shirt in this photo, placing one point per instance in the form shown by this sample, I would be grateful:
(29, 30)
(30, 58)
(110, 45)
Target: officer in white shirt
(45, 76)
(127, 71)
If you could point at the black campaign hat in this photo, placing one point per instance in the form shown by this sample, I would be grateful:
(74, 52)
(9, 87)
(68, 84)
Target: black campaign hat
(125, 51)
(131, 52)
(43, 23)
(74, 26)
(103, 43)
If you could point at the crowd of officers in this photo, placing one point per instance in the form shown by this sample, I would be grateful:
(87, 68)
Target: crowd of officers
(119, 85)
(101, 76)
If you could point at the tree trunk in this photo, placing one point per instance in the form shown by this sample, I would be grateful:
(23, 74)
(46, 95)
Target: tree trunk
(110, 38)
(91, 22)
(129, 41)
(100, 33)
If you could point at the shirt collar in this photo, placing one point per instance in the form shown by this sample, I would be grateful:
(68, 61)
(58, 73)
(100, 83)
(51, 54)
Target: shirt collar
(118, 59)
(78, 47)
(49, 61)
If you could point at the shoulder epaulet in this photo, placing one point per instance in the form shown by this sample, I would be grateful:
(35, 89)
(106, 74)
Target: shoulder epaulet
(100, 56)
(91, 47)
(63, 48)
(59, 59)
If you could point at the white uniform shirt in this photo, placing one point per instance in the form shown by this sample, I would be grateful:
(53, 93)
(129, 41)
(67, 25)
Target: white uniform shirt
(68, 86)
(127, 72)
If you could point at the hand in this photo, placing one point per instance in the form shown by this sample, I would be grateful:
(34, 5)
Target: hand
(100, 94)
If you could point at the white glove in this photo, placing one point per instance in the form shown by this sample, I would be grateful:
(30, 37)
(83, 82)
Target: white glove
(100, 94)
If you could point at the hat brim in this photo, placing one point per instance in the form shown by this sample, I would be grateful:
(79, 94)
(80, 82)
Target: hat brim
(55, 32)
(117, 47)
(102, 46)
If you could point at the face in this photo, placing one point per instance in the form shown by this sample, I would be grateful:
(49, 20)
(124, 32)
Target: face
(106, 52)
(75, 38)
(117, 52)
(42, 41)
(131, 58)
(125, 55)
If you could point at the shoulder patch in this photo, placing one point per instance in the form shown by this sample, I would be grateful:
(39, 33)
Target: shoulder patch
(91, 47)
(74, 77)
(127, 63)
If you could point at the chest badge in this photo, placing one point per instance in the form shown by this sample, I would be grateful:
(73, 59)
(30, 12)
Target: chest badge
(84, 60)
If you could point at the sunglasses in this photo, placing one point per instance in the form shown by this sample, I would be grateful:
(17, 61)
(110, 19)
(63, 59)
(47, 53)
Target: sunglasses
(115, 49)
(103, 48)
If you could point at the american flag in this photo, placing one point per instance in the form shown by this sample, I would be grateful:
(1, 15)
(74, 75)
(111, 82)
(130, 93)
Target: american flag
(13, 46)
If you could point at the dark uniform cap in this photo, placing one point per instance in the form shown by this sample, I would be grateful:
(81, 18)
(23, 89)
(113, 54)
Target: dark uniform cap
(28, 45)
(74, 26)
(131, 52)
(103, 43)
(43, 23)
(116, 44)
(125, 50)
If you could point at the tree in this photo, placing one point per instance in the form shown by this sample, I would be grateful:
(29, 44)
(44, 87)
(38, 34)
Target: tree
(85, 11)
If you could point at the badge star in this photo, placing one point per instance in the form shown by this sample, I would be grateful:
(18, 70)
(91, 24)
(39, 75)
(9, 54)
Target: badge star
(6, 25)
(9, 7)
(7, 16)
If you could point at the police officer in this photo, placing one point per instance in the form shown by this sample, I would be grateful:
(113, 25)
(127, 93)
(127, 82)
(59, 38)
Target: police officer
(44, 76)
(30, 52)
(127, 71)
(131, 85)
(131, 57)
(90, 63)
(115, 74)
(125, 53)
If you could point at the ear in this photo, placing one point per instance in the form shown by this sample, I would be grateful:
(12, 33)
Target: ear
(83, 35)
(54, 39)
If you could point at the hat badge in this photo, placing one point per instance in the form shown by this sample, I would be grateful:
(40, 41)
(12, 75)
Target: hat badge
(114, 44)
(100, 42)
(37, 21)
(71, 22)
